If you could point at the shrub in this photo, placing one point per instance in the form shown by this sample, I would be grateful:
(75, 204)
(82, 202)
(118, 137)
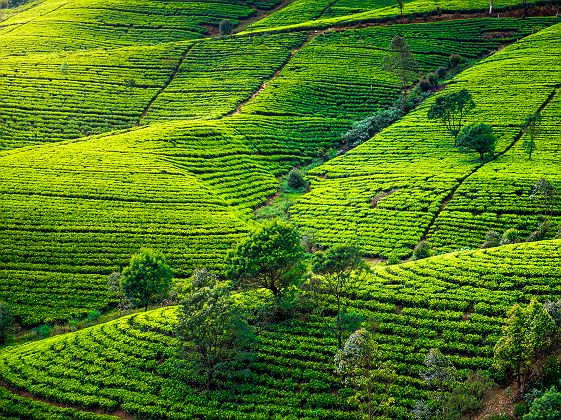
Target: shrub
(226, 26)
(422, 250)
(432, 78)
(43, 331)
(455, 60)
(492, 239)
(295, 180)
(441, 72)
(425, 85)
(511, 236)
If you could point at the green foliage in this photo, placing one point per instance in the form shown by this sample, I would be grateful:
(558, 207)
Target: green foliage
(451, 109)
(296, 180)
(147, 279)
(213, 330)
(7, 323)
(363, 130)
(225, 27)
(545, 193)
(422, 250)
(363, 368)
(401, 61)
(492, 239)
(43, 331)
(545, 407)
(451, 396)
(528, 332)
(477, 137)
(341, 269)
(272, 258)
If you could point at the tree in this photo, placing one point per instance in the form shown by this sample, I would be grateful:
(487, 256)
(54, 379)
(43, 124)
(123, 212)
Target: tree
(225, 27)
(401, 62)
(213, 330)
(363, 367)
(451, 110)
(532, 128)
(478, 137)
(341, 268)
(272, 258)
(400, 6)
(527, 333)
(451, 396)
(545, 193)
(147, 279)
(6, 323)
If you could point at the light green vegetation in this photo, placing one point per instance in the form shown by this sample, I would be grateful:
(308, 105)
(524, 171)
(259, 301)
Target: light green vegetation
(78, 209)
(455, 302)
(321, 14)
(387, 192)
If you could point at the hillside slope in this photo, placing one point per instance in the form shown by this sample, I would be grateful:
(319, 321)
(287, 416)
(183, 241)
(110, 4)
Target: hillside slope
(454, 302)
(387, 193)
(206, 152)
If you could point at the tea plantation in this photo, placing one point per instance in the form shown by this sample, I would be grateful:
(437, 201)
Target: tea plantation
(129, 124)
(454, 302)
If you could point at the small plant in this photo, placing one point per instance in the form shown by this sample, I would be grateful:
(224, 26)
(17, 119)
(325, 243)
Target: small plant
(422, 250)
(492, 239)
(456, 60)
(511, 236)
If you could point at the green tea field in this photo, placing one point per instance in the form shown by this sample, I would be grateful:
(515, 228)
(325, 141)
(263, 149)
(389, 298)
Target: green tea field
(189, 127)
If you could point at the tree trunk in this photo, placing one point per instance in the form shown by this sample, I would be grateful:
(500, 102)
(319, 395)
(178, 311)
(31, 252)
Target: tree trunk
(491, 7)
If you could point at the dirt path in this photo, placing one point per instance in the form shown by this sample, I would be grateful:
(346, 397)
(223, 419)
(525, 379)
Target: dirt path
(259, 14)
(170, 79)
(273, 77)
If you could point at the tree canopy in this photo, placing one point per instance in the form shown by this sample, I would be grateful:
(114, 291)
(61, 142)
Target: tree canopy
(451, 110)
(213, 329)
(271, 258)
(478, 137)
(147, 279)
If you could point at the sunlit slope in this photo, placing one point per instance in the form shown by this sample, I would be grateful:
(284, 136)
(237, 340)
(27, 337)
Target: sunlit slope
(58, 25)
(498, 196)
(74, 212)
(385, 193)
(455, 302)
(312, 14)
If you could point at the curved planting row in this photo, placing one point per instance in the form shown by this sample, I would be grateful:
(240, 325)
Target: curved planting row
(453, 302)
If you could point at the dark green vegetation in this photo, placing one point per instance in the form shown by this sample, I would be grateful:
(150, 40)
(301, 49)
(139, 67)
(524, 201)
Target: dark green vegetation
(181, 126)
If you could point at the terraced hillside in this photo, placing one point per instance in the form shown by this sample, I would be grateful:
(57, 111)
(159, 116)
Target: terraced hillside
(211, 139)
(455, 302)
(311, 14)
(409, 182)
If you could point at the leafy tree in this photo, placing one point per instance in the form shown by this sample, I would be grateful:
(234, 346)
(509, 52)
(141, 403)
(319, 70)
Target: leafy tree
(527, 333)
(365, 129)
(545, 193)
(511, 236)
(7, 323)
(400, 5)
(451, 397)
(213, 330)
(451, 110)
(532, 127)
(147, 279)
(401, 62)
(363, 367)
(477, 137)
(225, 27)
(341, 268)
(272, 258)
